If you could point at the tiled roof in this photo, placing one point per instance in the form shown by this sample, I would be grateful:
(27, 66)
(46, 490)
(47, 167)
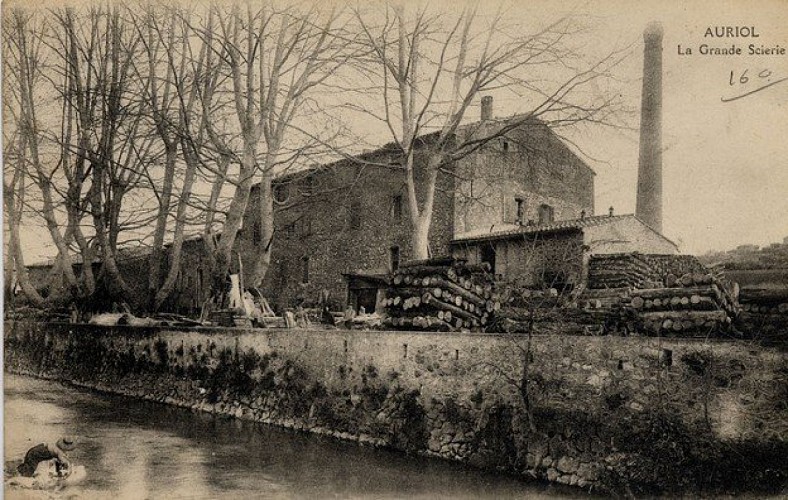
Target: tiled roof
(503, 231)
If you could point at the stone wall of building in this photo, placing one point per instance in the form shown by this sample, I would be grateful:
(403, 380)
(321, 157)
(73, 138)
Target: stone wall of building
(529, 163)
(343, 218)
(630, 415)
(624, 235)
(532, 261)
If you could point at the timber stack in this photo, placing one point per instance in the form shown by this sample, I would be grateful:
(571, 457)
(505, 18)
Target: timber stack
(620, 270)
(765, 300)
(673, 294)
(765, 310)
(695, 306)
(442, 294)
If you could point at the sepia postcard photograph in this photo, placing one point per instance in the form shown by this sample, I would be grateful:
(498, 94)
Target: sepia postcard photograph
(394, 249)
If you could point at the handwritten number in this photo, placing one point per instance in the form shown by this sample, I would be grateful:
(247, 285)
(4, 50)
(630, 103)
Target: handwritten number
(743, 78)
(763, 81)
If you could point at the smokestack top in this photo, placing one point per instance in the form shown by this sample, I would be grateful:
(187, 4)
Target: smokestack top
(487, 107)
(653, 31)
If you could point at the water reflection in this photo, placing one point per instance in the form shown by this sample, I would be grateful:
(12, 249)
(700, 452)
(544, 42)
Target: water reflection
(134, 449)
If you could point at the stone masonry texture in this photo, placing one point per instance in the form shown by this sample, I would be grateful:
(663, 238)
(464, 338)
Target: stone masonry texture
(634, 416)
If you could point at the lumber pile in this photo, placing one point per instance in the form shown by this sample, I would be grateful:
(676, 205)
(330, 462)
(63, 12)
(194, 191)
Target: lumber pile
(564, 320)
(604, 299)
(701, 309)
(764, 300)
(667, 268)
(619, 270)
(664, 293)
(444, 294)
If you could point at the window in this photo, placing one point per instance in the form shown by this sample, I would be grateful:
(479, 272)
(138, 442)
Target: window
(281, 193)
(305, 226)
(558, 279)
(394, 257)
(546, 214)
(396, 208)
(355, 214)
(520, 209)
(284, 274)
(304, 269)
(308, 186)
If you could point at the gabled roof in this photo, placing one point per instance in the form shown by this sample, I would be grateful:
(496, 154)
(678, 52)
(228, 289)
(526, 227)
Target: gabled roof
(506, 231)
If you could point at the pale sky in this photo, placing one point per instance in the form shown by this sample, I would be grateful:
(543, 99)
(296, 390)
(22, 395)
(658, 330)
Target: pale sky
(725, 164)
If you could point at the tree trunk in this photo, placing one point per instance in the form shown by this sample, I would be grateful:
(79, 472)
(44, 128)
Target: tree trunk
(422, 218)
(158, 255)
(8, 270)
(421, 242)
(108, 265)
(22, 277)
(177, 243)
(235, 213)
(265, 245)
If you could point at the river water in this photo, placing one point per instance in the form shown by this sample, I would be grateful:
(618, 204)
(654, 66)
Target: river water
(138, 449)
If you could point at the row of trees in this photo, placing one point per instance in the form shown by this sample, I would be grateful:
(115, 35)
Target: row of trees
(145, 122)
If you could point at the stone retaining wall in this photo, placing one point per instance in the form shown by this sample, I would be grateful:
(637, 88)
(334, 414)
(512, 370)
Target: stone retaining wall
(632, 415)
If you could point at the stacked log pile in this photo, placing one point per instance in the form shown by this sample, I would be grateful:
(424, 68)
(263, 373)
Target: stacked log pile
(765, 300)
(765, 311)
(668, 268)
(442, 294)
(666, 293)
(695, 308)
(619, 270)
(543, 320)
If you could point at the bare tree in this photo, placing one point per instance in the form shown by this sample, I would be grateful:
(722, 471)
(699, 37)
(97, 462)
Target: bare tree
(98, 50)
(260, 69)
(168, 72)
(429, 70)
(23, 50)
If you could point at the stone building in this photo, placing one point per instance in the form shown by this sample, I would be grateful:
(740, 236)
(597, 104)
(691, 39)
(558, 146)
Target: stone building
(555, 254)
(341, 227)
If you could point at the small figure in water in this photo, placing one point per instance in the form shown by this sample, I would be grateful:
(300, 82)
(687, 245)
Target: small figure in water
(43, 452)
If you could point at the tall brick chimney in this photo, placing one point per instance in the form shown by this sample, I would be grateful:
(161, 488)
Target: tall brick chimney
(487, 110)
(649, 196)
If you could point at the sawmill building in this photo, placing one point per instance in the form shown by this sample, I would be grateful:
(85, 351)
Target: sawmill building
(522, 197)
